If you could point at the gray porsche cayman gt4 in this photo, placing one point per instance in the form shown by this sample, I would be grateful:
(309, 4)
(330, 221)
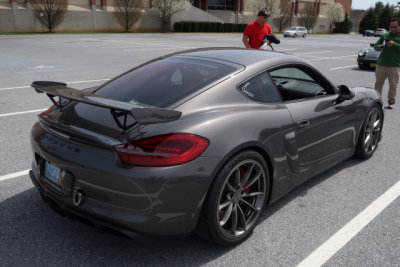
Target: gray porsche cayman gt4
(197, 141)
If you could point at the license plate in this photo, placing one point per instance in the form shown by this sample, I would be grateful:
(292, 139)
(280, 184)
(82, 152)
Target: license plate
(53, 173)
(372, 65)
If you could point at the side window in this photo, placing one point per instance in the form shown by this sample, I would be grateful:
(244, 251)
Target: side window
(294, 84)
(260, 88)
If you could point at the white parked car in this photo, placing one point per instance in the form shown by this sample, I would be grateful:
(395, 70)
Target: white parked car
(295, 31)
(379, 32)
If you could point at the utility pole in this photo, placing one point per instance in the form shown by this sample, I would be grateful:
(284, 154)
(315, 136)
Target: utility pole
(291, 11)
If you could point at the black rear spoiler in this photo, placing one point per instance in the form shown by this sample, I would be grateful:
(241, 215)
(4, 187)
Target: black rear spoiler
(142, 115)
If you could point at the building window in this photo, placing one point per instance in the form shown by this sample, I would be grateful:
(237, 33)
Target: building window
(220, 4)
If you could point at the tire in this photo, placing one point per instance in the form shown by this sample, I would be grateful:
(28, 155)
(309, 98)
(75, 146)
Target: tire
(235, 200)
(295, 35)
(304, 35)
(362, 66)
(370, 133)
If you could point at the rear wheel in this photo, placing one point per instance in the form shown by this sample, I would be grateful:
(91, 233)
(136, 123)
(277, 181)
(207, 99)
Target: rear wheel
(370, 133)
(235, 199)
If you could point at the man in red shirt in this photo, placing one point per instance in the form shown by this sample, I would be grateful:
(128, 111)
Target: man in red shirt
(255, 31)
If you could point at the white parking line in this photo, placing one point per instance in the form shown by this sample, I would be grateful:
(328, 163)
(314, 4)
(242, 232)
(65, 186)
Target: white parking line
(88, 81)
(344, 235)
(324, 58)
(14, 175)
(309, 53)
(345, 67)
(22, 112)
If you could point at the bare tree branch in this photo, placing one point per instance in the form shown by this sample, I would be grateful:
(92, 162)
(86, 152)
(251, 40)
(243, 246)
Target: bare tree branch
(50, 12)
(164, 9)
(308, 16)
(282, 20)
(128, 12)
(271, 6)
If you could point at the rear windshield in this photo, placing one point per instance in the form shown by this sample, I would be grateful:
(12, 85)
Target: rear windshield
(164, 82)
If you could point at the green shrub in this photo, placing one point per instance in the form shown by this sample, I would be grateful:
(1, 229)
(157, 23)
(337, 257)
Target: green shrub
(207, 26)
(218, 27)
(195, 26)
(202, 27)
(178, 26)
(187, 26)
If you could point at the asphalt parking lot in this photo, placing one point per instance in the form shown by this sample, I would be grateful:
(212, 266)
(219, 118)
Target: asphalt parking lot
(347, 216)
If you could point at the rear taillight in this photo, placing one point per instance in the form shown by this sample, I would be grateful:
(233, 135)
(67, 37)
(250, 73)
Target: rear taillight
(165, 150)
(44, 113)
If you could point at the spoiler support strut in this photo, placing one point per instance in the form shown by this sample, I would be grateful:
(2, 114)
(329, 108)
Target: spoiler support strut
(141, 115)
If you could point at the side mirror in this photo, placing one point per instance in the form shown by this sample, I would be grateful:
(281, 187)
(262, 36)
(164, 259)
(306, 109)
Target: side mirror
(345, 93)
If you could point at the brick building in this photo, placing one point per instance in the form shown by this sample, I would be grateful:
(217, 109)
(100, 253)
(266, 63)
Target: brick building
(17, 15)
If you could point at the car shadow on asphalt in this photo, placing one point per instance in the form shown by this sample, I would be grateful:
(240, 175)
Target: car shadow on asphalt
(32, 234)
(302, 189)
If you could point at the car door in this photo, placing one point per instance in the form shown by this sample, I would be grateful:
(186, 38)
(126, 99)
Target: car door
(324, 126)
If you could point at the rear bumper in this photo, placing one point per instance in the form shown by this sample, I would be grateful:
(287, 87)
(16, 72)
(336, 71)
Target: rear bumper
(367, 62)
(131, 200)
(62, 206)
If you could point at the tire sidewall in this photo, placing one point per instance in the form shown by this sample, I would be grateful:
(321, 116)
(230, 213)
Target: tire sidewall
(360, 151)
(215, 191)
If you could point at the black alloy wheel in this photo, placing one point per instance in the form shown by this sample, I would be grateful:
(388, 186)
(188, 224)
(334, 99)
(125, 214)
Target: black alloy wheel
(235, 200)
(370, 134)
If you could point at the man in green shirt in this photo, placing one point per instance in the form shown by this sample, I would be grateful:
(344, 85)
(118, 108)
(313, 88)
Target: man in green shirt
(389, 61)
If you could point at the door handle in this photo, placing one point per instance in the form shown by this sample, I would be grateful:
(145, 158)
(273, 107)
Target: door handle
(303, 123)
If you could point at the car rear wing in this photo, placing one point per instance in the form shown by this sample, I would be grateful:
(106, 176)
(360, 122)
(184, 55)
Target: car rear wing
(142, 115)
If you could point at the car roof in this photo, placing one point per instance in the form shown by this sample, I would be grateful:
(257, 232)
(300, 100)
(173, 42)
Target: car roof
(242, 56)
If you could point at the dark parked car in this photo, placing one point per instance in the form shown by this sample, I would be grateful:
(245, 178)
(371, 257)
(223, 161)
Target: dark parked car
(368, 33)
(197, 141)
(368, 57)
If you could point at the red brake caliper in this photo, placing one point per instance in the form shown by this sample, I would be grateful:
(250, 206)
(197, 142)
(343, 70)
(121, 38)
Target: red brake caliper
(242, 174)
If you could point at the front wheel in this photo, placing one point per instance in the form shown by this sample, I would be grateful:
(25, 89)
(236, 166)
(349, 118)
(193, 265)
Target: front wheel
(370, 133)
(295, 35)
(235, 199)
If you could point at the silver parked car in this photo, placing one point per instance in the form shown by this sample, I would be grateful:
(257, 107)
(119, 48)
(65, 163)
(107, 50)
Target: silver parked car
(295, 31)
(197, 141)
(379, 32)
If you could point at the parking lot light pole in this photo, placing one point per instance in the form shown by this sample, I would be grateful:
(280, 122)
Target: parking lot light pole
(291, 11)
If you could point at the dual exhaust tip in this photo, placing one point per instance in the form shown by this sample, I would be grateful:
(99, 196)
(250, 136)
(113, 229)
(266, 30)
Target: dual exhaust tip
(78, 198)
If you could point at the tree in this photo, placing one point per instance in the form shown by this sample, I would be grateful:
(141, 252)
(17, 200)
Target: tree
(282, 19)
(308, 16)
(368, 22)
(397, 10)
(335, 13)
(271, 6)
(344, 26)
(385, 17)
(379, 6)
(50, 12)
(164, 9)
(128, 12)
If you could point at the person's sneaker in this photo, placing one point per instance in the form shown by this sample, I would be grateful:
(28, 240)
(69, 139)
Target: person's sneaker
(389, 107)
(391, 103)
